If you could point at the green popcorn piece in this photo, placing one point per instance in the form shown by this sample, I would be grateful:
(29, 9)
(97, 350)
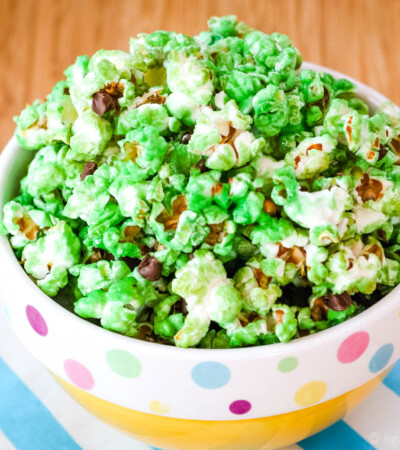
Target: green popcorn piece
(90, 136)
(168, 328)
(368, 219)
(49, 258)
(221, 136)
(205, 136)
(266, 167)
(124, 62)
(182, 160)
(92, 305)
(116, 317)
(183, 108)
(336, 317)
(45, 173)
(240, 184)
(390, 273)
(60, 116)
(215, 339)
(392, 111)
(248, 335)
(54, 281)
(285, 322)
(32, 126)
(248, 208)
(166, 325)
(100, 275)
(119, 307)
(354, 267)
(145, 147)
(271, 231)
(209, 295)
(223, 157)
(75, 73)
(258, 292)
(121, 242)
(391, 199)
(103, 219)
(261, 47)
(344, 123)
(322, 235)
(131, 198)
(223, 26)
(271, 110)
(312, 85)
(189, 76)
(242, 87)
(104, 68)
(244, 248)
(222, 231)
(283, 272)
(311, 157)
(304, 319)
(24, 223)
(163, 309)
(91, 195)
(204, 189)
(128, 93)
(296, 103)
(180, 230)
(146, 115)
(309, 209)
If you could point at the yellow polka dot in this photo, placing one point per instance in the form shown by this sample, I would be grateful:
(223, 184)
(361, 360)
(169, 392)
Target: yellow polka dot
(158, 407)
(310, 393)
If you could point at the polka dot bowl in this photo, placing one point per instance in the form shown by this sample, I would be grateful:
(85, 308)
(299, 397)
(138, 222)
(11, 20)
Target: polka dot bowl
(250, 398)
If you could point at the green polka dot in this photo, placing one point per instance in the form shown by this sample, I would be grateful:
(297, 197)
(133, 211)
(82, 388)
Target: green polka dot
(288, 364)
(124, 363)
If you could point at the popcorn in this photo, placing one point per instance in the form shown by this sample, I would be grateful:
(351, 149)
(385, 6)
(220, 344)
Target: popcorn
(24, 223)
(204, 192)
(49, 258)
(209, 294)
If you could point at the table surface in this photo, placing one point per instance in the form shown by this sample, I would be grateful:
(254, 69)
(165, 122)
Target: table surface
(40, 38)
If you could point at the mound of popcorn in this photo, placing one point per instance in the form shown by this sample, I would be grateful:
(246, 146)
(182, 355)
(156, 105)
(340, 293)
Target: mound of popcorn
(206, 192)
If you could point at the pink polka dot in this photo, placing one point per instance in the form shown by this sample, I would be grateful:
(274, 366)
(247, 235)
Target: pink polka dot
(353, 347)
(240, 407)
(78, 374)
(36, 320)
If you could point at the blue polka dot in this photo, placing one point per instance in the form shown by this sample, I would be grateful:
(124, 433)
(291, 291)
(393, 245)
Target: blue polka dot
(211, 375)
(381, 358)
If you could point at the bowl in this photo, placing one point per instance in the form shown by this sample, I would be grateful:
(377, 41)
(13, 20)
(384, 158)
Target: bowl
(246, 398)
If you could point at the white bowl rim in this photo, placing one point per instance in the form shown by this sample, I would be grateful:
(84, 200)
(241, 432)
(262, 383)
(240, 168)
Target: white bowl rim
(362, 320)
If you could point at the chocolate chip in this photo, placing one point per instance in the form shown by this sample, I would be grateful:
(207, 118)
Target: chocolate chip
(150, 268)
(201, 165)
(338, 302)
(186, 138)
(382, 235)
(102, 102)
(184, 307)
(382, 152)
(131, 262)
(89, 169)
